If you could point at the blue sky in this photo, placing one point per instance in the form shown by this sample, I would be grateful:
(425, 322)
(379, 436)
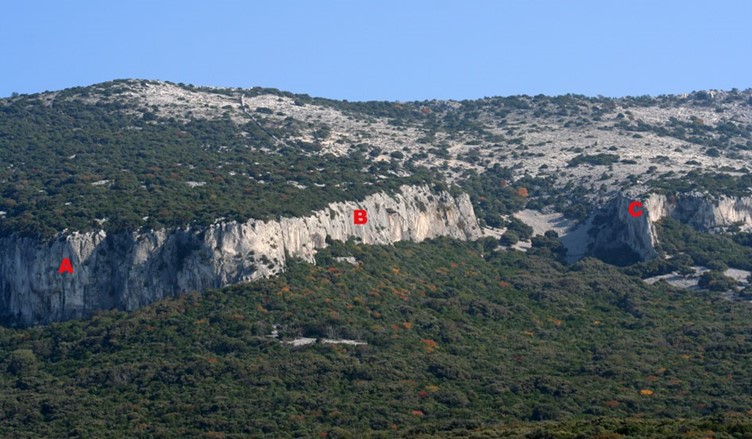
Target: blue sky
(385, 50)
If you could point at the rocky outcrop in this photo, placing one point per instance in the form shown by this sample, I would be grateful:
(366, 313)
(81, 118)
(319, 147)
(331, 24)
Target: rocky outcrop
(618, 237)
(703, 212)
(130, 270)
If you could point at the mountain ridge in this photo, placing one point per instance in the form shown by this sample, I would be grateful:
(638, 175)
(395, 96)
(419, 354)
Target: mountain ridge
(128, 157)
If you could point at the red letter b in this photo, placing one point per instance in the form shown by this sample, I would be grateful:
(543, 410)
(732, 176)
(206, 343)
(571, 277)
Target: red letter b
(360, 217)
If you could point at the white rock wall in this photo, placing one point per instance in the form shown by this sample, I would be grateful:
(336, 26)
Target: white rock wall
(130, 270)
(701, 211)
(698, 210)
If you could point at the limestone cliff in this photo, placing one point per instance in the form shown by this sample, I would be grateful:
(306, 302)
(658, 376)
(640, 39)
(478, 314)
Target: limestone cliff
(701, 211)
(621, 238)
(130, 270)
(625, 238)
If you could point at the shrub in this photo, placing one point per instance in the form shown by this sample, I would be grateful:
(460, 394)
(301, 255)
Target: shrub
(716, 281)
(713, 152)
(509, 238)
(595, 159)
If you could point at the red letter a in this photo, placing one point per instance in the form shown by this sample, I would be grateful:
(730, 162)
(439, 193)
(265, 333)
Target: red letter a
(65, 266)
(360, 217)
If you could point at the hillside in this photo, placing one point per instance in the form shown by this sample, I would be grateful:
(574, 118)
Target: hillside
(502, 286)
(177, 154)
(452, 340)
(134, 180)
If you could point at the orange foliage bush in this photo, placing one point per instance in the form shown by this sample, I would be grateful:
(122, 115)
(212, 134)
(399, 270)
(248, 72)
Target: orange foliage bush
(401, 293)
(522, 192)
(429, 345)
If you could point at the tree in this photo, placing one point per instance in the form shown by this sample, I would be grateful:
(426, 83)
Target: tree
(713, 152)
(22, 362)
(716, 281)
(509, 238)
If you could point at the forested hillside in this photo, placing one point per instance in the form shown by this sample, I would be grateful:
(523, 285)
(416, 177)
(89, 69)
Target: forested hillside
(460, 339)
(517, 334)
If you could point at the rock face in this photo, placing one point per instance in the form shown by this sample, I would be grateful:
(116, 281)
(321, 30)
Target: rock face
(702, 212)
(624, 238)
(130, 270)
(620, 238)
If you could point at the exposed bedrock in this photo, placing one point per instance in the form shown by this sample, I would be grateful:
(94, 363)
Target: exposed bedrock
(620, 237)
(130, 270)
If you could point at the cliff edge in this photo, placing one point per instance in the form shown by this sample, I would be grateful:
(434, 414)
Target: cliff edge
(617, 237)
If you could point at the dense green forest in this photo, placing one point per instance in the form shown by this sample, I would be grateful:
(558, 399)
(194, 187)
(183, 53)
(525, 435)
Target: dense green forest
(462, 341)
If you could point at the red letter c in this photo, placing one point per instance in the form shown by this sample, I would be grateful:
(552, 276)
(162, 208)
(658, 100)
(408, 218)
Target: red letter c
(634, 209)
